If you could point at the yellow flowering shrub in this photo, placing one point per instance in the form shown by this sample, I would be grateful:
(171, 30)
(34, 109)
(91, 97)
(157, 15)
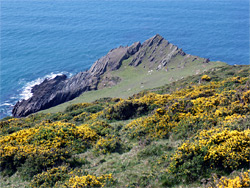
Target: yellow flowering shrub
(82, 117)
(219, 148)
(50, 177)
(12, 125)
(63, 176)
(51, 144)
(89, 181)
(86, 116)
(153, 99)
(108, 145)
(101, 127)
(230, 148)
(206, 78)
(192, 108)
(155, 126)
(246, 96)
(237, 79)
(240, 180)
(229, 119)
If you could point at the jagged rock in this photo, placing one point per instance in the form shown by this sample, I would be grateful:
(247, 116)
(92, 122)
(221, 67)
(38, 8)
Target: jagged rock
(113, 60)
(154, 53)
(41, 98)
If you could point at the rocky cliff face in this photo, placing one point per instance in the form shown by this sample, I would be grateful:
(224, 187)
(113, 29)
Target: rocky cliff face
(155, 52)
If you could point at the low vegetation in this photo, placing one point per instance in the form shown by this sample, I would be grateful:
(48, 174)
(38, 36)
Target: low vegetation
(194, 133)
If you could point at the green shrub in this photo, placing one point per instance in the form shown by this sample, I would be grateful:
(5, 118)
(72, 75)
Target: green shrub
(108, 145)
(94, 109)
(102, 128)
(125, 110)
(78, 106)
(50, 177)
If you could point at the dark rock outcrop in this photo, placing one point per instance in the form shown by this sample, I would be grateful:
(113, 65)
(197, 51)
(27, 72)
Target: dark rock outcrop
(155, 52)
(41, 99)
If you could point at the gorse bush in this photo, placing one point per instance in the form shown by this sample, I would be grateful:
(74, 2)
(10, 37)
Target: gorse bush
(102, 128)
(125, 109)
(90, 181)
(43, 146)
(63, 176)
(50, 177)
(108, 145)
(10, 126)
(238, 180)
(215, 148)
(189, 110)
(206, 78)
(155, 126)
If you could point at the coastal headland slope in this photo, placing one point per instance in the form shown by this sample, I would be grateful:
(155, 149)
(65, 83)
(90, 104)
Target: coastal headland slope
(122, 72)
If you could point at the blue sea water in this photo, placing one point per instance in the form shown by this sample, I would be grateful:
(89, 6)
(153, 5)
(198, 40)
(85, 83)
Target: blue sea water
(42, 38)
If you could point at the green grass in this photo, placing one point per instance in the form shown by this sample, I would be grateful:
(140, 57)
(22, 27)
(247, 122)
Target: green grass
(133, 166)
(14, 181)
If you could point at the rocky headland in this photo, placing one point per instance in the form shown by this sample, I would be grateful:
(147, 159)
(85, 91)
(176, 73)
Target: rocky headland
(155, 53)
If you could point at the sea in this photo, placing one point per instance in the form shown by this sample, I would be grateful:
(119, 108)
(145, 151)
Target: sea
(43, 38)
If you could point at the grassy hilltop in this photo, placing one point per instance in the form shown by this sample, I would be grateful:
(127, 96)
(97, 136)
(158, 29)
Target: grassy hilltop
(190, 133)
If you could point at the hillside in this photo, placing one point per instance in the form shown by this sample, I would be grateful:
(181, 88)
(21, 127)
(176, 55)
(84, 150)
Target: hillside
(193, 132)
(127, 70)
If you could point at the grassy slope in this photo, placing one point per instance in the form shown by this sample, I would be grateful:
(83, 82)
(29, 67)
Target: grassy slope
(13, 181)
(139, 164)
(136, 79)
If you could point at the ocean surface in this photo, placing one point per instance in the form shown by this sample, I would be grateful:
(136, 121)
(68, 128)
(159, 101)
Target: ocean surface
(43, 38)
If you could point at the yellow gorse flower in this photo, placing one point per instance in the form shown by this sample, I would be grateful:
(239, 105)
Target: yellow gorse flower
(89, 181)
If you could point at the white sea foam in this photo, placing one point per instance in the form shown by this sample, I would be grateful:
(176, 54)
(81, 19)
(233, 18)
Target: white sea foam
(26, 90)
(6, 104)
(14, 97)
(5, 109)
(25, 93)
